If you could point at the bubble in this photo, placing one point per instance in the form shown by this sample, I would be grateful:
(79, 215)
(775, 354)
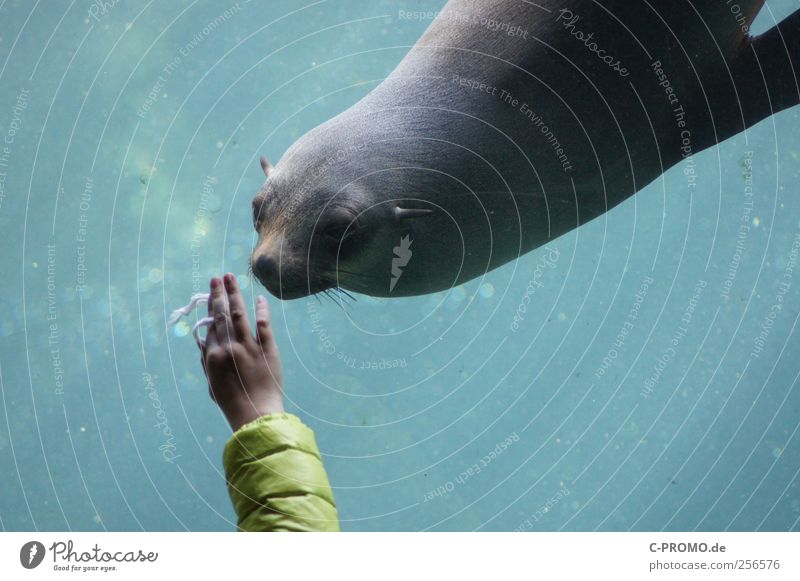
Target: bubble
(121, 314)
(487, 290)
(776, 452)
(210, 439)
(457, 296)
(562, 316)
(150, 319)
(201, 227)
(756, 222)
(219, 144)
(155, 275)
(181, 329)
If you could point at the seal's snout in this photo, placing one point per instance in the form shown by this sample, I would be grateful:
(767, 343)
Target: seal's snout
(277, 278)
(266, 269)
(285, 276)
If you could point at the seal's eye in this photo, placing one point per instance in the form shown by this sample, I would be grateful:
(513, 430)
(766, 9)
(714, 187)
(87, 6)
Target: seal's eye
(257, 205)
(340, 227)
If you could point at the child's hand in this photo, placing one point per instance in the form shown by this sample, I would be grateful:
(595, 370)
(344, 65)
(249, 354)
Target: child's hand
(244, 372)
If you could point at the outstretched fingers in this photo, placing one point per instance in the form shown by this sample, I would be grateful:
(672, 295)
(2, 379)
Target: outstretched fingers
(211, 336)
(238, 312)
(218, 309)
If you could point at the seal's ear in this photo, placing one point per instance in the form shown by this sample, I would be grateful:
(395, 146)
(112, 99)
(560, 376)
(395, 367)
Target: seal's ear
(406, 213)
(266, 165)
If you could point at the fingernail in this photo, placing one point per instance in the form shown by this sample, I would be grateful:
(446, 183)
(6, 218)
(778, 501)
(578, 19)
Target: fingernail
(261, 299)
(214, 283)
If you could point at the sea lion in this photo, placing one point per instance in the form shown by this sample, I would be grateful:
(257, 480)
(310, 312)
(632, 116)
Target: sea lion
(508, 124)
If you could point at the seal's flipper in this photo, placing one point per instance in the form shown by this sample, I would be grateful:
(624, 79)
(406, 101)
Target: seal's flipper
(763, 80)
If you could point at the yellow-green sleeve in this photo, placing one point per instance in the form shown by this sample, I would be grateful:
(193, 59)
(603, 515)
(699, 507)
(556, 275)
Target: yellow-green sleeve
(276, 479)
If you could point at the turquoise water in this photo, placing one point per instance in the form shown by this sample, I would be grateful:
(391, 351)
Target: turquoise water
(638, 374)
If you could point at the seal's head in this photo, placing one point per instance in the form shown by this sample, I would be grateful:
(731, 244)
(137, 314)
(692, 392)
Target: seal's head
(319, 227)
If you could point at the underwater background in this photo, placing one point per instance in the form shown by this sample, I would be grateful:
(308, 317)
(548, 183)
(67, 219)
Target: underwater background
(639, 373)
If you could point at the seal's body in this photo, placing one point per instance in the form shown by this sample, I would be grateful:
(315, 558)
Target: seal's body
(508, 124)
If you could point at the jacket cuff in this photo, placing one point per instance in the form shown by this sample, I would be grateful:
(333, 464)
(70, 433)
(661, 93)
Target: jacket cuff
(274, 461)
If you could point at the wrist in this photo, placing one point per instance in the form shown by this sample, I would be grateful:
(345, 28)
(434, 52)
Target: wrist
(245, 412)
